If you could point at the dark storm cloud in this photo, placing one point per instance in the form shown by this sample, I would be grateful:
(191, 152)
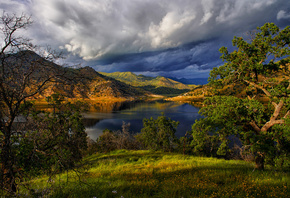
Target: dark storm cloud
(146, 36)
(188, 59)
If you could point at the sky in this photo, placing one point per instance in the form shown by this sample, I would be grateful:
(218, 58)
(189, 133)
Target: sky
(172, 38)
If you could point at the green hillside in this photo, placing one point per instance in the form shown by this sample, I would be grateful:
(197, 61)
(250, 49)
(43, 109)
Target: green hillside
(125, 173)
(157, 85)
(140, 80)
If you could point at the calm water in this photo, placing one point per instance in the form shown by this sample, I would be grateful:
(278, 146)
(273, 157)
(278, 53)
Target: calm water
(112, 115)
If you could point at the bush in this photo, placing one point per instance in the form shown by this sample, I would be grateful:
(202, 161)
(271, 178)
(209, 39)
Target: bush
(115, 140)
(159, 134)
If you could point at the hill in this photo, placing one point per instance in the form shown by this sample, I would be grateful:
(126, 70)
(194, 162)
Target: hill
(240, 90)
(191, 81)
(125, 173)
(141, 80)
(73, 83)
(98, 86)
(157, 85)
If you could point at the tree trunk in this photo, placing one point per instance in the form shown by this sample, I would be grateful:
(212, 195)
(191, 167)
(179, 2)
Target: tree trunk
(7, 172)
(259, 162)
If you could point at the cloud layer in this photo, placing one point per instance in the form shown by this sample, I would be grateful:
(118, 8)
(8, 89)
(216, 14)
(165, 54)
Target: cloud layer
(146, 36)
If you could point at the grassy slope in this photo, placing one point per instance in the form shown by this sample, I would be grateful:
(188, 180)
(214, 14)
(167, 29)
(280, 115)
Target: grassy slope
(156, 174)
(140, 80)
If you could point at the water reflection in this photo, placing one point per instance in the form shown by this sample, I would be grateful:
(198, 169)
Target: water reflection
(111, 115)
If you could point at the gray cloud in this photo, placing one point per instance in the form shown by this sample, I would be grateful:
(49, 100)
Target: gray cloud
(149, 36)
(282, 14)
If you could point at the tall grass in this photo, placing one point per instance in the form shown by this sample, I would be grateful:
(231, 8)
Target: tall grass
(155, 174)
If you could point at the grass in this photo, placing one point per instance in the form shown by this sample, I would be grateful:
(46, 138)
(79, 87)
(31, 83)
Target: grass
(156, 174)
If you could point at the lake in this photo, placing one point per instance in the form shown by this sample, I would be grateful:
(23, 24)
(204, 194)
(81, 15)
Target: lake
(109, 115)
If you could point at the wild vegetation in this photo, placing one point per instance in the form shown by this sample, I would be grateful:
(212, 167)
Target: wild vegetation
(157, 85)
(32, 142)
(142, 173)
(246, 116)
(260, 117)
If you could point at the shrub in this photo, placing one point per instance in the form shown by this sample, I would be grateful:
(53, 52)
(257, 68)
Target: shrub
(115, 140)
(158, 134)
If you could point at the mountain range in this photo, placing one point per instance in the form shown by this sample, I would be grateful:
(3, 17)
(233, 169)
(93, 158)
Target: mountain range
(27, 72)
(157, 85)
(191, 81)
(85, 82)
(141, 80)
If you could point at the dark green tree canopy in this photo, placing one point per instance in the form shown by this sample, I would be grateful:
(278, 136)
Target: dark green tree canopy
(158, 134)
(254, 57)
(259, 117)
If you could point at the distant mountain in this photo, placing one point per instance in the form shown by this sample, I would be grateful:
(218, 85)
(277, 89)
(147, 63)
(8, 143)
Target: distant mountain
(238, 89)
(157, 85)
(74, 83)
(98, 85)
(191, 81)
(141, 81)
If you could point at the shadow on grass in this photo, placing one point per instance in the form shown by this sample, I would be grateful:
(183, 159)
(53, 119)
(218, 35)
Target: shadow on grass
(192, 182)
(220, 179)
(123, 157)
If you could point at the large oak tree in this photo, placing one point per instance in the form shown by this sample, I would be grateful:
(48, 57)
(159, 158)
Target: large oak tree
(259, 115)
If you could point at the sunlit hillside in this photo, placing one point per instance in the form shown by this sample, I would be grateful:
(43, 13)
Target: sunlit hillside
(125, 173)
(198, 93)
(141, 80)
(79, 83)
(157, 85)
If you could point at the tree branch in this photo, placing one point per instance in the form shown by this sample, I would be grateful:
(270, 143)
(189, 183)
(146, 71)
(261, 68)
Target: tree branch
(288, 88)
(259, 87)
(275, 115)
(287, 114)
(277, 110)
(255, 126)
(263, 89)
(270, 124)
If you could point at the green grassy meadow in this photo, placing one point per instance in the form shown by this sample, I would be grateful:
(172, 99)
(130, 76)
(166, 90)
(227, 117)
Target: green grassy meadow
(127, 174)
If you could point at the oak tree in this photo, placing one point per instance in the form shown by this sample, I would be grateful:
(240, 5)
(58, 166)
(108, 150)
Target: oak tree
(259, 115)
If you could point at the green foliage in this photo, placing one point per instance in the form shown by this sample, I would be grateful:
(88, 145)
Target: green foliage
(260, 124)
(113, 140)
(105, 143)
(253, 58)
(225, 116)
(204, 142)
(55, 140)
(148, 83)
(158, 134)
(125, 173)
(25, 75)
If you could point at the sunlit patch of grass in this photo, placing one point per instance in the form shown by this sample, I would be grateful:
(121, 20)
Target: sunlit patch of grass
(156, 174)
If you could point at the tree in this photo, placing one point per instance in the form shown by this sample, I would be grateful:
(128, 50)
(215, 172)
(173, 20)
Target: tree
(54, 140)
(158, 134)
(114, 140)
(260, 116)
(23, 75)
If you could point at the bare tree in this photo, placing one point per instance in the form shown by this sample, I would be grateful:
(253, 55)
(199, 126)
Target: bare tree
(23, 75)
